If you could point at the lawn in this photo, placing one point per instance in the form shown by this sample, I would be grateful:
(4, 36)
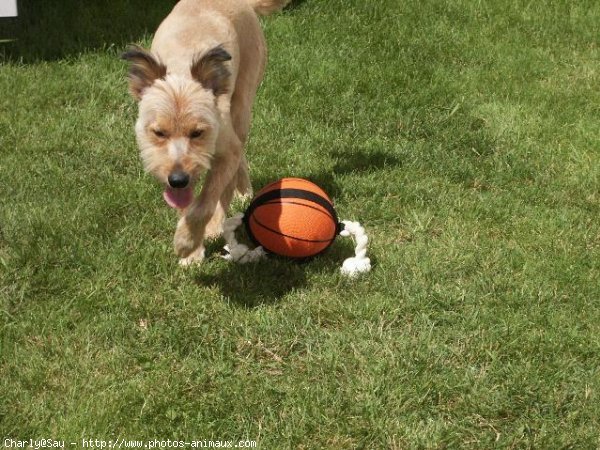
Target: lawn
(465, 137)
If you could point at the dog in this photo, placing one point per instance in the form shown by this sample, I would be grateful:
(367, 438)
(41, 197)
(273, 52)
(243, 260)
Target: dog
(195, 89)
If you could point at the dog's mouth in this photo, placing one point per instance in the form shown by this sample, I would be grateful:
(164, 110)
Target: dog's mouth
(179, 198)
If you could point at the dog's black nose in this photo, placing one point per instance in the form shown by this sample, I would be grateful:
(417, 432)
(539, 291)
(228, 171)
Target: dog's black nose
(178, 179)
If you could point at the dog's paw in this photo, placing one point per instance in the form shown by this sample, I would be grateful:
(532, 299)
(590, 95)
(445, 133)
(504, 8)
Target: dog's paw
(185, 241)
(194, 258)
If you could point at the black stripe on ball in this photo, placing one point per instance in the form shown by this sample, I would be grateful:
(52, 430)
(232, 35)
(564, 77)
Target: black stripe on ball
(292, 193)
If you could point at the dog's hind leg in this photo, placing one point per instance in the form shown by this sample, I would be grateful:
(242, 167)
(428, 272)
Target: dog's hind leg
(241, 115)
(243, 185)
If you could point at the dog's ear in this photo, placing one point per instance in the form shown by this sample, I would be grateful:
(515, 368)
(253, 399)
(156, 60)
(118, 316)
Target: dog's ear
(145, 69)
(210, 70)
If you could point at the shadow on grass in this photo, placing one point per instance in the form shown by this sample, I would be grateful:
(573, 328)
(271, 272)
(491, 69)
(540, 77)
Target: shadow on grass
(347, 161)
(295, 4)
(359, 161)
(255, 284)
(270, 280)
(51, 30)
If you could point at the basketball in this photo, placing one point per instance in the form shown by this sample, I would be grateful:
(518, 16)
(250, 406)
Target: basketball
(292, 217)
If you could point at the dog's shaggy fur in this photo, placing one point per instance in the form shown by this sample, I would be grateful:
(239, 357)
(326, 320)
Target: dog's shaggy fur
(195, 91)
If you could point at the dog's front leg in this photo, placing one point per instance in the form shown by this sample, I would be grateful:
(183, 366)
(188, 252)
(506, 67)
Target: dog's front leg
(189, 237)
(191, 229)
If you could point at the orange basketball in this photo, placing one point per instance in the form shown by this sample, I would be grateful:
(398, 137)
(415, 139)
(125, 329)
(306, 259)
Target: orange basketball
(292, 217)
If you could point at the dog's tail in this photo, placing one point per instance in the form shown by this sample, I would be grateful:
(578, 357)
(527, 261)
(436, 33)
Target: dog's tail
(266, 7)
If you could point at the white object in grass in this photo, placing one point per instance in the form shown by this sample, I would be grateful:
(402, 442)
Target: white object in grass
(237, 252)
(359, 263)
(8, 8)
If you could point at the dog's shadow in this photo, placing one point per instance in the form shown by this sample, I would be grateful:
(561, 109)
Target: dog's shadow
(268, 281)
(251, 285)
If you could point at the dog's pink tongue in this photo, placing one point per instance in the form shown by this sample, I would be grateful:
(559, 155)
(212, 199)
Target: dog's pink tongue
(178, 198)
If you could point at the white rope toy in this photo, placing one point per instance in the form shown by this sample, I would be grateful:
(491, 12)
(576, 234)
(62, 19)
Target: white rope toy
(359, 263)
(241, 253)
(237, 252)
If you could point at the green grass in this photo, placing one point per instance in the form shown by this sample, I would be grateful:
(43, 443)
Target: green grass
(464, 136)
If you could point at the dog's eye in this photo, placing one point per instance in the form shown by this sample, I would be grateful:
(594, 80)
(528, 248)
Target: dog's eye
(159, 133)
(196, 134)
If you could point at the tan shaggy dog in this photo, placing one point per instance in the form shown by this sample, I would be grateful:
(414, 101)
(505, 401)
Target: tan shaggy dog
(195, 91)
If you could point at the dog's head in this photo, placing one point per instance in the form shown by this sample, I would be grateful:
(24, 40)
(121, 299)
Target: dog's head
(178, 121)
